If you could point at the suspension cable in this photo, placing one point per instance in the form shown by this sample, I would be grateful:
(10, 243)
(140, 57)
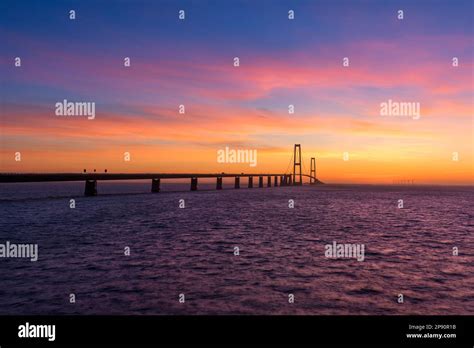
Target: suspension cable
(289, 164)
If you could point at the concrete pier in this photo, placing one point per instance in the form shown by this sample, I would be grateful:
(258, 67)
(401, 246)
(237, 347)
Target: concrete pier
(219, 183)
(91, 188)
(269, 181)
(194, 184)
(155, 185)
(237, 182)
(250, 181)
(276, 181)
(260, 181)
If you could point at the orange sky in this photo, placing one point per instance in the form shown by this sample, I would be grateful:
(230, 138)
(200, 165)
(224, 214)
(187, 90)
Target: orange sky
(337, 108)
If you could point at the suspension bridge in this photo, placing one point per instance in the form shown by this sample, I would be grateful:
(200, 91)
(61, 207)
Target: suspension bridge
(286, 179)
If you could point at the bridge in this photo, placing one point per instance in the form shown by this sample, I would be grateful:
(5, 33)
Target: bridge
(279, 179)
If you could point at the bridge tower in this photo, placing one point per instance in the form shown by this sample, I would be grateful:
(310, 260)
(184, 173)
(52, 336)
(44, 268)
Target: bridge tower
(312, 173)
(297, 163)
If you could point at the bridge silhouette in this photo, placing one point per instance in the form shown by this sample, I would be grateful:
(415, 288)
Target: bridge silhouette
(279, 179)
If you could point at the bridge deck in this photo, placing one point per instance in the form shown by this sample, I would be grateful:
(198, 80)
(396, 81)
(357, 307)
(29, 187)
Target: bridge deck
(43, 177)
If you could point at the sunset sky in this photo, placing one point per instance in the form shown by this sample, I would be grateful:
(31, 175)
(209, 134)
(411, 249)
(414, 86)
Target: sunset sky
(282, 62)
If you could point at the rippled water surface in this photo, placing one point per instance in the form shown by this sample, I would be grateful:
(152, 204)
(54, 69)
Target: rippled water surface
(191, 250)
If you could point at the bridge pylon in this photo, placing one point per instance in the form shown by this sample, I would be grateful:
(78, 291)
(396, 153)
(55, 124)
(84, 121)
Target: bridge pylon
(312, 173)
(297, 177)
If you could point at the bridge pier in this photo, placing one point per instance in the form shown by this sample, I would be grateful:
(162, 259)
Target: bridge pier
(250, 181)
(260, 181)
(194, 184)
(237, 182)
(155, 185)
(276, 181)
(269, 181)
(219, 183)
(283, 180)
(289, 180)
(91, 188)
